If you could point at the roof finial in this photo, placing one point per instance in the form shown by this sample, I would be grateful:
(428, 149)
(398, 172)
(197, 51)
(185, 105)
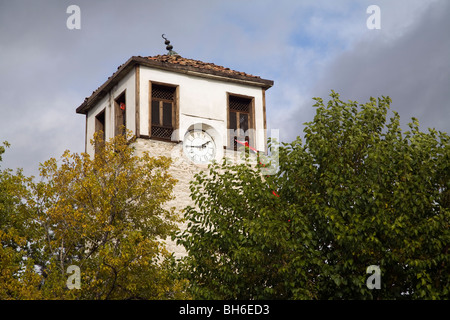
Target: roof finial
(169, 47)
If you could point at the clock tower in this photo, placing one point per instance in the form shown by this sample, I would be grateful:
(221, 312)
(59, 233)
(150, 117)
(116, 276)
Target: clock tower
(189, 110)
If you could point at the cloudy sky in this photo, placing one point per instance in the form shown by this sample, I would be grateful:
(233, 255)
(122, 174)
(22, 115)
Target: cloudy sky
(306, 47)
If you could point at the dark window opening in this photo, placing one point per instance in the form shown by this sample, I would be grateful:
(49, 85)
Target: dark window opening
(155, 112)
(100, 128)
(233, 122)
(120, 114)
(243, 122)
(167, 114)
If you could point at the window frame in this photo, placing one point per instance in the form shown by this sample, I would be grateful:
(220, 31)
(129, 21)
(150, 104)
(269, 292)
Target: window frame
(161, 101)
(249, 136)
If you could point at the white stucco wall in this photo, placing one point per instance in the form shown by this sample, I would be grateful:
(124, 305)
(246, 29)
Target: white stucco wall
(201, 100)
(127, 84)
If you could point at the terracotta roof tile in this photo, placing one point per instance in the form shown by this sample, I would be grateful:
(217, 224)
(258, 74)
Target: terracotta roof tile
(178, 60)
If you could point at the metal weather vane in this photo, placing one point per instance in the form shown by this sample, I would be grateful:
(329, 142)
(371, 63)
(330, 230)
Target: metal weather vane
(169, 47)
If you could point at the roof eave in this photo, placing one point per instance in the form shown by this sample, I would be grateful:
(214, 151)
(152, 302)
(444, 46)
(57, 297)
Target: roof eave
(255, 81)
(105, 87)
(127, 66)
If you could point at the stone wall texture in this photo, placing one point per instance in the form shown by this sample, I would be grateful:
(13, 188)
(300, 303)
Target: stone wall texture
(181, 169)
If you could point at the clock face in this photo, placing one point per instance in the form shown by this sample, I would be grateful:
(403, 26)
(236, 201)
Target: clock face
(199, 146)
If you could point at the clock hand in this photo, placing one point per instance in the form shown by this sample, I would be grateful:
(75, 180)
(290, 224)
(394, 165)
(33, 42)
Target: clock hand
(201, 146)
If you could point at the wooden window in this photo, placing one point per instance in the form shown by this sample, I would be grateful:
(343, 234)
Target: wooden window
(100, 127)
(240, 120)
(163, 111)
(120, 114)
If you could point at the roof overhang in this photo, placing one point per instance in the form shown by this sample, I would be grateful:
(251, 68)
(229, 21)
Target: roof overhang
(124, 69)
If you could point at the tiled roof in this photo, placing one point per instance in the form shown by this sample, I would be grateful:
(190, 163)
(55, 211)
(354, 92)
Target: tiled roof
(178, 60)
(173, 63)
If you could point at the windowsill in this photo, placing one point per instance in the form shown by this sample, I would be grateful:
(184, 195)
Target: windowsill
(158, 139)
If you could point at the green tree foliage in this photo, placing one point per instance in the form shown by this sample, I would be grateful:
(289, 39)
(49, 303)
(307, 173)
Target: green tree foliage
(103, 214)
(233, 237)
(358, 192)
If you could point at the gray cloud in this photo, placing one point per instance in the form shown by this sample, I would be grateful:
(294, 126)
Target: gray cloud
(409, 64)
(47, 70)
(307, 47)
